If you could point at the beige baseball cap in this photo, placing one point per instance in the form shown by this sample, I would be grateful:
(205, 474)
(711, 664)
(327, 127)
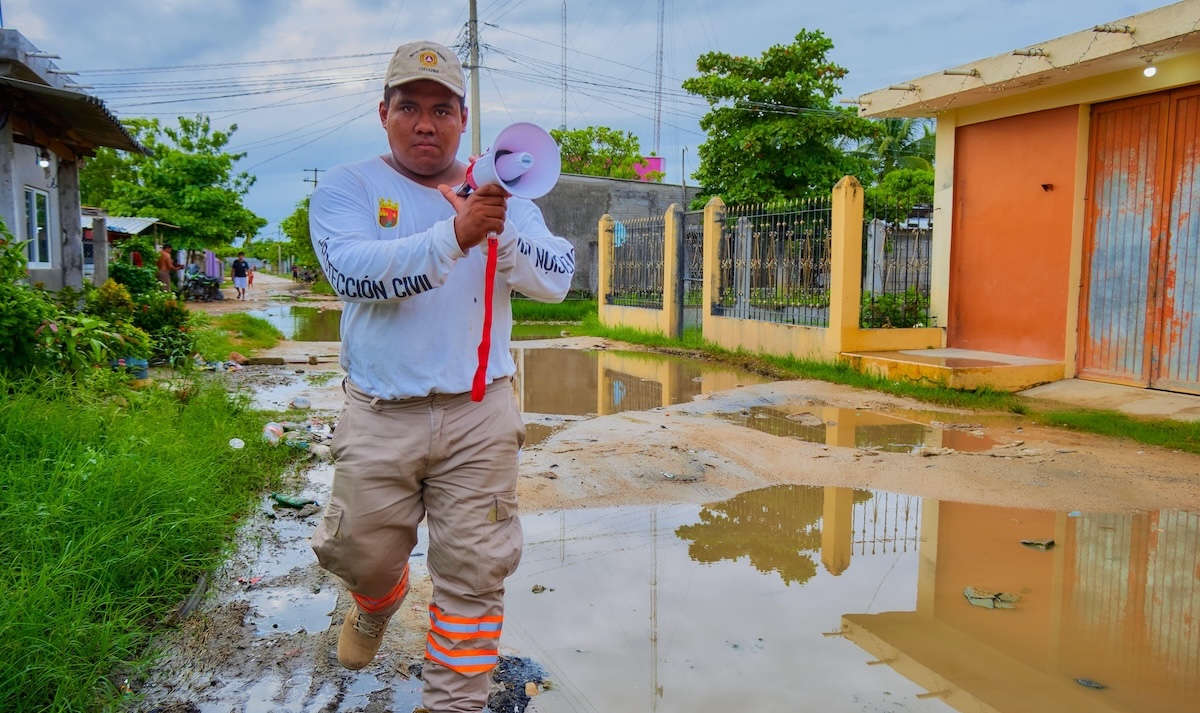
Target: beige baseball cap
(426, 60)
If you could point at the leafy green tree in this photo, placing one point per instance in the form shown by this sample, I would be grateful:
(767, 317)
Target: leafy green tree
(901, 143)
(188, 180)
(900, 190)
(299, 243)
(773, 129)
(600, 151)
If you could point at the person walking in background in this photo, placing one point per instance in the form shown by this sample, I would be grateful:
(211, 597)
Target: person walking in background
(295, 273)
(408, 256)
(239, 268)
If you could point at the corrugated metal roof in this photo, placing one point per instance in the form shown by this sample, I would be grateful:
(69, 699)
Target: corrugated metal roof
(91, 124)
(119, 224)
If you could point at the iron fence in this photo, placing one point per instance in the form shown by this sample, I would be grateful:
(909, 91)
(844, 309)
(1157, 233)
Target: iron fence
(692, 264)
(897, 245)
(637, 264)
(774, 263)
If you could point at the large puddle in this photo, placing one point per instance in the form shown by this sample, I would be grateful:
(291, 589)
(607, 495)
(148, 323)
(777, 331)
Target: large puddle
(830, 599)
(304, 324)
(900, 432)
(556, 386)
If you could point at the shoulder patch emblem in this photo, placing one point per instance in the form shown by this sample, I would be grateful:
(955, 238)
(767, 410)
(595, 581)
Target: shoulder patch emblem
(389, 213)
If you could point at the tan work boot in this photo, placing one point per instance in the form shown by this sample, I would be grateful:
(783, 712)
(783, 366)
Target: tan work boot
(362, 633)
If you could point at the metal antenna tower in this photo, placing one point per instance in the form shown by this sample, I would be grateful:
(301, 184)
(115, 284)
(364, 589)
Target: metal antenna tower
(564, 66)
(658, 76)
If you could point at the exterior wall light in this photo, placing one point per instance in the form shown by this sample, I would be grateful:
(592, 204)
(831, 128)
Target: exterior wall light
(1150, 71)
(43, 158)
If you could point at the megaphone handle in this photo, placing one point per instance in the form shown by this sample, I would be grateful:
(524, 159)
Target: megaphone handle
(485, 344)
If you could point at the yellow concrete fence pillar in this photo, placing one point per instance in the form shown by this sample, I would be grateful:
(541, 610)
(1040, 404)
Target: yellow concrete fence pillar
(605, 233)
(845, 288)
(714, 222)
(673, 230)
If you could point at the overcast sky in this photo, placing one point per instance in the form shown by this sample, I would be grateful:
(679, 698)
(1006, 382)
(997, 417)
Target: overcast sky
(299, 115)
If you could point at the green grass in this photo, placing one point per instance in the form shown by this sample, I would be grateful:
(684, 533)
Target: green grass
(525, 310)
(322, 288)
(114, 502)
(321, 378)
(1175, 435)
(239, 332)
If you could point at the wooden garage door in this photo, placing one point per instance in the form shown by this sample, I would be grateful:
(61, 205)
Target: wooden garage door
(1143, 244)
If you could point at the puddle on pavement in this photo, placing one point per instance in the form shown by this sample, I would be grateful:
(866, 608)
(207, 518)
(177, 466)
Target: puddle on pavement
(574, 383)
(304, 324)
(856, 428)
(805, 598)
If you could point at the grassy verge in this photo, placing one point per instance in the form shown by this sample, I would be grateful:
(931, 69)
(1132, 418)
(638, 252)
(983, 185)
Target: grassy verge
(1176, 435)
(525, 310)
(322, 288)
(114, 502)
(237, 331)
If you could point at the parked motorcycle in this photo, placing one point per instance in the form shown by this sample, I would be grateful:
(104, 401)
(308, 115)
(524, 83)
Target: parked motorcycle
(199, 287)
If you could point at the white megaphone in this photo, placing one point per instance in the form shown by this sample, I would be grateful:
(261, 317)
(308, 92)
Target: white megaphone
(524, 161)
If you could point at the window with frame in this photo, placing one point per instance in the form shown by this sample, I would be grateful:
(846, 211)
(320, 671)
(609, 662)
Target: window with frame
(37, 227)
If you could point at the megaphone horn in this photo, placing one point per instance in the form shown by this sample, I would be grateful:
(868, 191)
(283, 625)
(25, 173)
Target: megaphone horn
(524, 161)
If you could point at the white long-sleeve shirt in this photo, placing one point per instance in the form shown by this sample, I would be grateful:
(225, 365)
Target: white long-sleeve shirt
(414, 301)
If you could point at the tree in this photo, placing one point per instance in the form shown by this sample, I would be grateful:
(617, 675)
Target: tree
(773, 130)
(299, 244)
(901, 143)
(899, 192)
(600, 151)
(187, 180)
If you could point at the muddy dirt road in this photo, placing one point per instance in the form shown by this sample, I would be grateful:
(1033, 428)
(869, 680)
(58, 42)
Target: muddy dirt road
(699, 540)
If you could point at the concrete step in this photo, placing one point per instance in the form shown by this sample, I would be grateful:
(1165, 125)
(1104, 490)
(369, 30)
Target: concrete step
(958, 368)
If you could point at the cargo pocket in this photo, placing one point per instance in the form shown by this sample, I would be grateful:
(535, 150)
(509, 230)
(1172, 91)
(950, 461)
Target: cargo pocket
(341, 433)
(328, 545)
(500, 552)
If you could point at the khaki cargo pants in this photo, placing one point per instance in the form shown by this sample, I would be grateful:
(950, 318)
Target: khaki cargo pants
(453, 461)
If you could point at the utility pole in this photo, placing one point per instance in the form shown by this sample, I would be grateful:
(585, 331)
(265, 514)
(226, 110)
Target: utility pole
(564, 66)
(683, 176)
(313, 180)
(473, 42)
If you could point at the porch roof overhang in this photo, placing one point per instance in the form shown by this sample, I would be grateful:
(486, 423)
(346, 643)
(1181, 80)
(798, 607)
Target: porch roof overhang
(68, 122)
(1129, 44)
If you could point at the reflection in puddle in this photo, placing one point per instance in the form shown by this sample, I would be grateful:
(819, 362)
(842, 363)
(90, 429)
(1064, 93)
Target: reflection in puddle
(525, 331)
(853, 428)
(288, 610)
(787, 598)
(304, 324)
(569, 382)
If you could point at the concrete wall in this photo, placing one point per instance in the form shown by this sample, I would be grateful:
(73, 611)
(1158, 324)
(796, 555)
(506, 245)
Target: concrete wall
(27, 174)
(576, 204)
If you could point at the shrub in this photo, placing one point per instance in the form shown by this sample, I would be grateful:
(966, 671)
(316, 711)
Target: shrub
(907, 309)
(138, 280)
(22, 314)
(112, 302)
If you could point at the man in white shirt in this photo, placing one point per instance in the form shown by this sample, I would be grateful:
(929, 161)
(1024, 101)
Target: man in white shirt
(408, 257)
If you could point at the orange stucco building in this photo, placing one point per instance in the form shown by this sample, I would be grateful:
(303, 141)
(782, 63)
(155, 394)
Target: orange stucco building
(1067, 183)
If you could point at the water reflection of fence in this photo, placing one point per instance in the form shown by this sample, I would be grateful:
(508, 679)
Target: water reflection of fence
(775, 261)
(887, 523)
(625, 392)
(637, 263)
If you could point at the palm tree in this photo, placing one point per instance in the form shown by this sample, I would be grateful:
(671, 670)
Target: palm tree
(901, 143)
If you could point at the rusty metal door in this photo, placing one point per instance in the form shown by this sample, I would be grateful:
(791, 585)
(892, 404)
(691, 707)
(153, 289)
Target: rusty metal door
(1141, 285)
(1176, 363)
